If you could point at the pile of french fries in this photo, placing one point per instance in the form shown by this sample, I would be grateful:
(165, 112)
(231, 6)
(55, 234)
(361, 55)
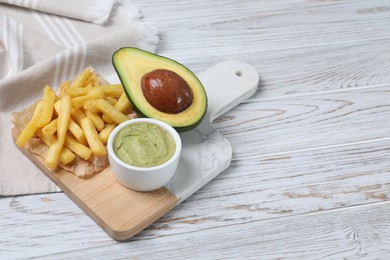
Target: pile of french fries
(79, 121)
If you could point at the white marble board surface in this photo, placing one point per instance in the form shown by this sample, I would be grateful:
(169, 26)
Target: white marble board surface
(206, 153)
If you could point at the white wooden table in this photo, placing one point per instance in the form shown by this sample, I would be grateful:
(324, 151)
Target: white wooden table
(310, 175)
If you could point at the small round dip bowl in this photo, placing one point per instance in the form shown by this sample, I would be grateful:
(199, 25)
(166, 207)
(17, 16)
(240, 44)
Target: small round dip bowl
(144, 178)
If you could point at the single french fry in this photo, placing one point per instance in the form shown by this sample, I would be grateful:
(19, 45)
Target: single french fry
(47, 109)
(30, 129)
(77, 132)
(57, 105)
(96, 81)
(66, 156)
(96, 119)
(105, 133)
(63, 87)
(123, 103)
(91, 81)
(76, 92)
(90, 105)
(50, 128)
(64, 117)
(107, 109)
(78, 115)
(111, 100)
(62, 127)
(53, 154)
(96, 93)
(109, 90)
(112, 90)
(107, 120)
(80, 80)
(78, 148)
(93, 139)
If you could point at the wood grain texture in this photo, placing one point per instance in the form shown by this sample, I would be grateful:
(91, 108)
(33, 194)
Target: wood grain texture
(309, 178)
(307, 122)
(251, 190)
(354, 232)
(346, 234)
(298, 47)
(319, 69)
(119, 211)
(266, 25)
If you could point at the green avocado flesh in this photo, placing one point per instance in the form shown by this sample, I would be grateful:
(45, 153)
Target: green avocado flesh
(134, 65)
(144, 145)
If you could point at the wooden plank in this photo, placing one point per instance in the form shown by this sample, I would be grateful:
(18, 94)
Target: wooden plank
(319, 69)
(272, 25)
(297, 47)
(54, 215)
(251, 190)
(360, 232)
(306, 122)
(356, 232)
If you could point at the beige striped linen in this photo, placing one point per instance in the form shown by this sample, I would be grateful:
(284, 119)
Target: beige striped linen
(86, 10)
(41, 45)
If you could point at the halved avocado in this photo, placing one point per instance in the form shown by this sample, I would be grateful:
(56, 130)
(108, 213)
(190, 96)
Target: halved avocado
(161, 88)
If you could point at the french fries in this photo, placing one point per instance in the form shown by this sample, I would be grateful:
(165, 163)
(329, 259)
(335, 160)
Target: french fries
(78, 122)
(50, 128)
(113, 90)
(78, 115)
(62, 127)
(42, 115)
(78, 148)
(66, 156)
(31, 126)
(101, 105)
(82, 78)
(64, 85)
(96, 119)
(105, 133)
(123, 103)
(77, 132)
(73, 128)
(96, 93)
(109, 91)
(93, 138)
(112, 100)
(47, 108)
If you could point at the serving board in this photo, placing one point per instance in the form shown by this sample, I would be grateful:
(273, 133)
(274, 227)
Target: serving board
(122, 212)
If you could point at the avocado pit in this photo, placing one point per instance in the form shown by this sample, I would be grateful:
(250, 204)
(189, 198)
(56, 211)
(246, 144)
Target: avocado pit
(166, 91)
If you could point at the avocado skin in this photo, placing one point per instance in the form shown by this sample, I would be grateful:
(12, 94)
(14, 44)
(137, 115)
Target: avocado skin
(139, 107)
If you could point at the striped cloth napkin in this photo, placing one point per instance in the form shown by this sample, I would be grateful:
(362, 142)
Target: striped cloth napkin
(44, 42)
(86, 10)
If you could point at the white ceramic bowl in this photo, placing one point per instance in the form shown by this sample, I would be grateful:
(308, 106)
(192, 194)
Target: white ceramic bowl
(144, 178)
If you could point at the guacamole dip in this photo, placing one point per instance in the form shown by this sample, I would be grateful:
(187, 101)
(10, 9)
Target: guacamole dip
(144, 144)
